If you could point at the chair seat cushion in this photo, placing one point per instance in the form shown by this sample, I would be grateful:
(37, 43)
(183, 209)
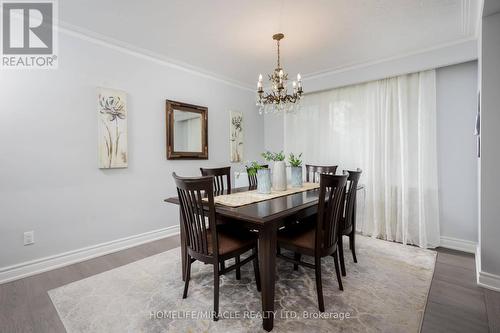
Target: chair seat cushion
(232, 240)
(302, 236)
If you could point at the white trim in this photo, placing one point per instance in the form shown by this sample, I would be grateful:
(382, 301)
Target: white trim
(485, 279)
(478, 262)
(115, 44)
(432, 58)
(458, 244)
(488, 281)
(29, 268)
(355, 66)
(454, 56)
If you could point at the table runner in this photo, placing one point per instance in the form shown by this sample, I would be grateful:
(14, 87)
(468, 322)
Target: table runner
(245, 198)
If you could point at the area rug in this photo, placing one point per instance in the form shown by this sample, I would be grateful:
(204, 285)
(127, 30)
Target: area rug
(386, 291)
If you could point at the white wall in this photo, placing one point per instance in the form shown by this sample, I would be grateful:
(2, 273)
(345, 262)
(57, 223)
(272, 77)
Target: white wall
(457, 162)
(490, 151)
(49, 180)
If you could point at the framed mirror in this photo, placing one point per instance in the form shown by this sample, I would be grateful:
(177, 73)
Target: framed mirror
(187, 131)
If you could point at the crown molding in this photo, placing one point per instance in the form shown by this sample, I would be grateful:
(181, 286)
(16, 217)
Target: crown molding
(361, 65)
(115, 44)
(458, 57)
(118, 45)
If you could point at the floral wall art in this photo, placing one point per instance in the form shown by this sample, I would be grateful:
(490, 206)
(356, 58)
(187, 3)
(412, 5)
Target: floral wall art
(112, 128)
(236, 126)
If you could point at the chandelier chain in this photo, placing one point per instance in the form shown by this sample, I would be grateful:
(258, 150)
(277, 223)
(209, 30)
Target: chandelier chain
(279, 64)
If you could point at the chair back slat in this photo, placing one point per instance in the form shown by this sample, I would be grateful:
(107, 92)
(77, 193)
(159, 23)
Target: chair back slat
(222, 178)
(350, 201)
(313, 172)
(331, 195)
(195, 212)
(252, 179)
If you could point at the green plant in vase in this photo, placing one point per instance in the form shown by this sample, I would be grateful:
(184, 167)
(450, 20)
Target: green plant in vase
(279, 169)
(295, 161)
(253, 168)
(296, 169)
(273, 157)
(263, 175)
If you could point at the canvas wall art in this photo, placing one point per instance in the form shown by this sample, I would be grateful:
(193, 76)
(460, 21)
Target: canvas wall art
(236, 126)
(112, 128)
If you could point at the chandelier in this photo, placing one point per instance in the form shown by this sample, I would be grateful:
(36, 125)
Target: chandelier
(278, 99)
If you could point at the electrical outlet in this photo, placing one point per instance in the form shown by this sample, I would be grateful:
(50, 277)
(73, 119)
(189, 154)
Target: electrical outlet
(29, 237)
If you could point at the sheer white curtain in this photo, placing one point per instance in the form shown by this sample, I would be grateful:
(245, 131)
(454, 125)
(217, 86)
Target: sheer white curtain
(388, 129)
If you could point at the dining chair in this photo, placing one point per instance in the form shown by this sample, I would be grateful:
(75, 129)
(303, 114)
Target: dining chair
(252, 179)
(222, 178)
(222, 185)
(348, 220)
(313, 171)
(319, 240)
(206, 243)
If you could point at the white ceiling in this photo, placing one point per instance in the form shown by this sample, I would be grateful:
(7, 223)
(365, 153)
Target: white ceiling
(233, 38)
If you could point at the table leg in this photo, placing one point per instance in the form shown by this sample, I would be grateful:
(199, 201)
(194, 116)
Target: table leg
(267, 261)
(183, 247)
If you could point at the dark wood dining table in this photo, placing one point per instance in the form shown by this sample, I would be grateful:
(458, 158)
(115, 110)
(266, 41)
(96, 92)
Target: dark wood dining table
(265, 217)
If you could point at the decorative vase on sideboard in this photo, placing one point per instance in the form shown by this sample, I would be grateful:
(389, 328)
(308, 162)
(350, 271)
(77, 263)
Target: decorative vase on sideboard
(264, 181)
(279, 176)
(296, 179)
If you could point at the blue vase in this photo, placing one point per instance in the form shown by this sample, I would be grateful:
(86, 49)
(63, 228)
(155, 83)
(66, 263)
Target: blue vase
(296, 176)
(264, 181)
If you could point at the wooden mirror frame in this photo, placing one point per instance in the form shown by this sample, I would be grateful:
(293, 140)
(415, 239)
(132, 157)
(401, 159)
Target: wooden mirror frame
(171, 153)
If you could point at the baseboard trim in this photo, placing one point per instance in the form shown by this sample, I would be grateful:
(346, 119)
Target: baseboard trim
(458, 244)
(488, 281)
(485, 279)
(29, 268)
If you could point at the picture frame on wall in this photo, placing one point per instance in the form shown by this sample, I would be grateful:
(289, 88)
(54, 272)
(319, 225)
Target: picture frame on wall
(112, 137)
(236, 136)
(187, 131)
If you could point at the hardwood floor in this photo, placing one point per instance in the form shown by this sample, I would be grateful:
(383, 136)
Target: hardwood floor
(493, 307)
(455, 303)
(25, 305)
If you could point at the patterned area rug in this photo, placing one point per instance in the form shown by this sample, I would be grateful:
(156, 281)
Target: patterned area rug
(386, 291)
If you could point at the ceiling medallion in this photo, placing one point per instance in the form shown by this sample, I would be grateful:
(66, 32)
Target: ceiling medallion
(278, 100)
